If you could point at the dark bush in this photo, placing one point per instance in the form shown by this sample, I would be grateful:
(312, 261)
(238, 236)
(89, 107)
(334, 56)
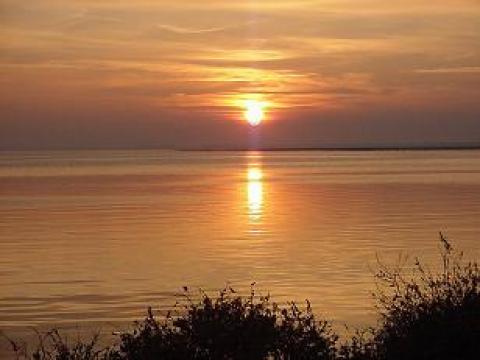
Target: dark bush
(360, 346)
(430, 315)
(231, 327)
(52, 346)
(226, 327)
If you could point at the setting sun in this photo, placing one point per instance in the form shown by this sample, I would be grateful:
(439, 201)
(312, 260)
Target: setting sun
(254, 112)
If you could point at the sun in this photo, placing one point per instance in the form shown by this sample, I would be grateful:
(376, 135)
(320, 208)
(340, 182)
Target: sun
(254, 112)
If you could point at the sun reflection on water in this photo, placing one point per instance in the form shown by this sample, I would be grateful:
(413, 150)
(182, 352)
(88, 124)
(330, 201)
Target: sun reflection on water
(254, 192)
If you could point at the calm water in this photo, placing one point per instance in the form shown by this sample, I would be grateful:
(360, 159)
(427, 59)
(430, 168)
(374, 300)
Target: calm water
(96, 237)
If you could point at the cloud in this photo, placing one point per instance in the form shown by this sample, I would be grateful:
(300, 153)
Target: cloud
(189, 31)
(451, 70)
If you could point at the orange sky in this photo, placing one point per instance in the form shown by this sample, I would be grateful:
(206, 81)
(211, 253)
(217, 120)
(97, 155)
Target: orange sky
(117, 73)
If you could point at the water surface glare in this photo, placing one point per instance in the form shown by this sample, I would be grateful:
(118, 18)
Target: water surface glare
(97, 236)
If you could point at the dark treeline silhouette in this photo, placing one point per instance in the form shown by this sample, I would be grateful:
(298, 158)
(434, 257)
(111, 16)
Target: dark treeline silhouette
(423, 315)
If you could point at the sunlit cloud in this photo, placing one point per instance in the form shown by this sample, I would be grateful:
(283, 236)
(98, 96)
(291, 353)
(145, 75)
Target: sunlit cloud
(454, 70)
(188, 31)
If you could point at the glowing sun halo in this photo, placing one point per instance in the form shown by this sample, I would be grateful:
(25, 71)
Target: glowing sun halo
(254, 113)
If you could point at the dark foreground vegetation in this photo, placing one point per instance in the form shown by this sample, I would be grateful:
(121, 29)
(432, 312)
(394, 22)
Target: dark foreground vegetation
(422, 315)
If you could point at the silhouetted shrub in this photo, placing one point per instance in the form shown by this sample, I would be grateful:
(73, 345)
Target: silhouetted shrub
(52, 346)
(427, 315)
(231, 327)
(226, 327)
(359, 347)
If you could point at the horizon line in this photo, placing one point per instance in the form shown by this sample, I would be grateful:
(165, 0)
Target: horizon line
(273, 148)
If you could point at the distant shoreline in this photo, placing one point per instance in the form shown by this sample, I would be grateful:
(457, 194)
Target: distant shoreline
(266, 149)
(416, 148)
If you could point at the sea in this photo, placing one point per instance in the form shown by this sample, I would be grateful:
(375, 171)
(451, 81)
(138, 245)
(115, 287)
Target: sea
(90, 239)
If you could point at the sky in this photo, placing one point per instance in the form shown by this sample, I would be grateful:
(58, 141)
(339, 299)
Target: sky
(176, 73)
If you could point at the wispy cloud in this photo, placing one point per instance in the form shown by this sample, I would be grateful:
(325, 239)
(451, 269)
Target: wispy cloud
(451, 70)
(186, 31)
